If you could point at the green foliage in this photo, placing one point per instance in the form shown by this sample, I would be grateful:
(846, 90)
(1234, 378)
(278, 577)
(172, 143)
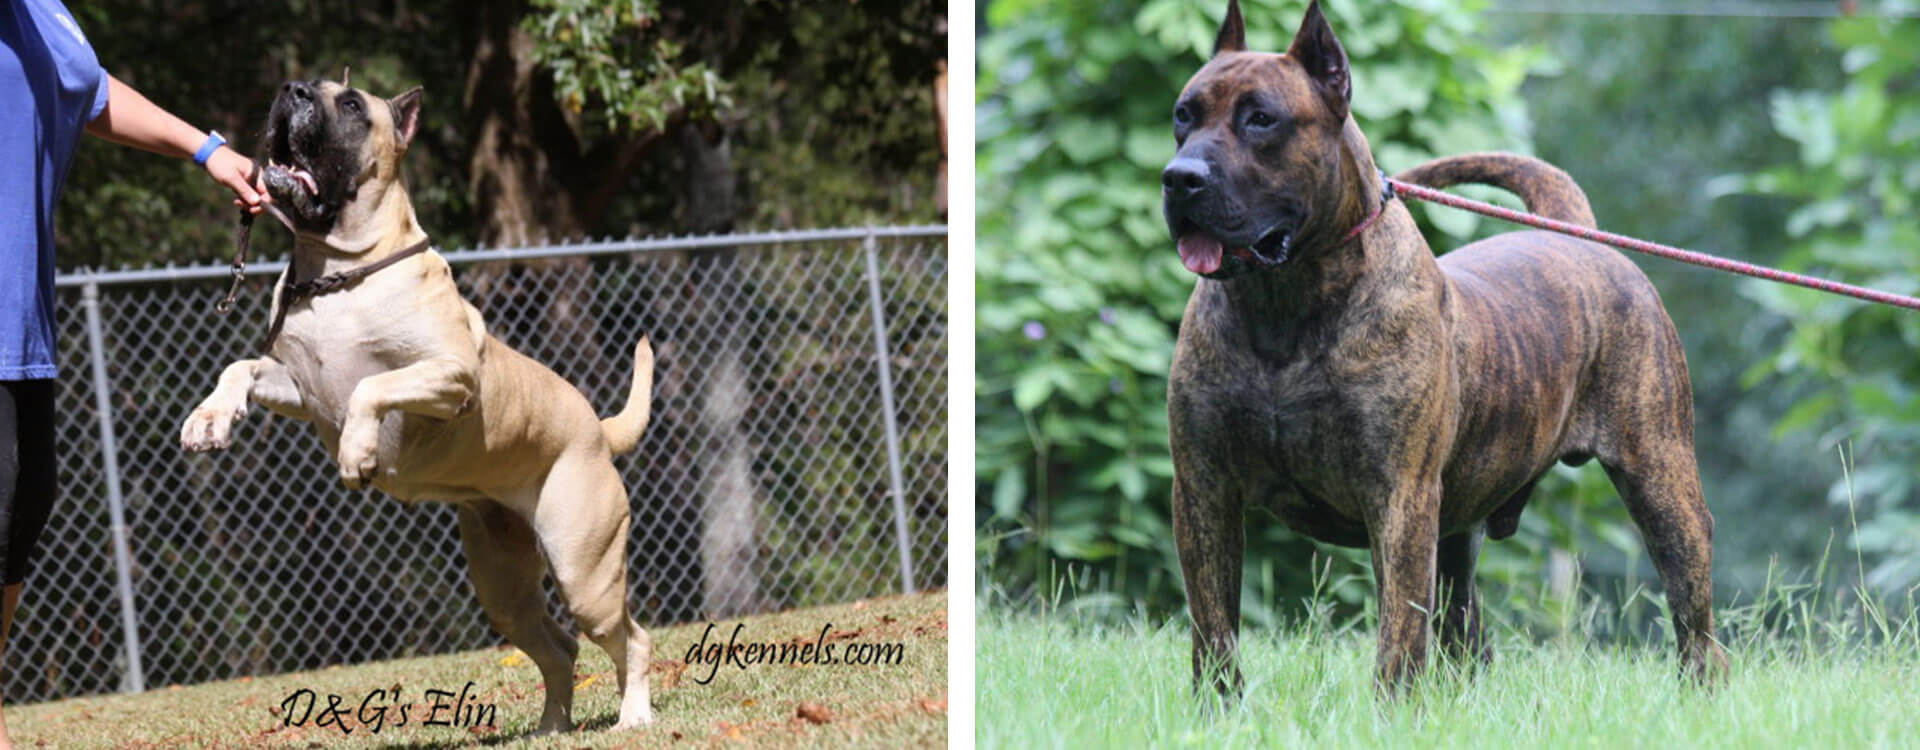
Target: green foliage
(836, 110)
(833, 103)
(609, 59)
(1851, 365)
(1079, 289)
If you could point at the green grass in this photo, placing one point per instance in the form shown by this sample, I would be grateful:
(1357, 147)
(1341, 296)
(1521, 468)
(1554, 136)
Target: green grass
(1050, 682)
(891, 705)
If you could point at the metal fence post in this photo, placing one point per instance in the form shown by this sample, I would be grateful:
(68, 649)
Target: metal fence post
(882, 356)
(116, 503)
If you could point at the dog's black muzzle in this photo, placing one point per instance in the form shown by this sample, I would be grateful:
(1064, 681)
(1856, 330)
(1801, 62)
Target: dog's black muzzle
(1206, 221)
(296, 139)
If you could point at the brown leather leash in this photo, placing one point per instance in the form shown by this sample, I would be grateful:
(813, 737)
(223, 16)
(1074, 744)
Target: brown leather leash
(299, 290)
(240, 249)
(294, 292)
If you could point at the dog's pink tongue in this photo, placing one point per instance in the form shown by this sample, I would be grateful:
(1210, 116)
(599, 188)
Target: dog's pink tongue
(1200, 253)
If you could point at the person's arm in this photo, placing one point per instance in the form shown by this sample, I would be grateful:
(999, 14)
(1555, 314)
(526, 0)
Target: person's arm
(130, 120)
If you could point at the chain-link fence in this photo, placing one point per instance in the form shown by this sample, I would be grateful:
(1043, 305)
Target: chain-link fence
(786, 463)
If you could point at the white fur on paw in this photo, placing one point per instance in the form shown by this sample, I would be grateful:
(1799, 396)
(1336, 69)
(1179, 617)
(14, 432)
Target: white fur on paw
(359, 457)
(209, 427)
(645, 718)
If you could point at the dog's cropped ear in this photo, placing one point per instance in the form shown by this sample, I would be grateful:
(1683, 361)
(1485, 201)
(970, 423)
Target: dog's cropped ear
(1233, 31)
(406, 115)
(1325, 62)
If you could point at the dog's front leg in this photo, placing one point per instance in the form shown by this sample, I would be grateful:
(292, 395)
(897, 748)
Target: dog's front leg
(441, 388)
(263, 381)
(1404, 540)
(1207, 532)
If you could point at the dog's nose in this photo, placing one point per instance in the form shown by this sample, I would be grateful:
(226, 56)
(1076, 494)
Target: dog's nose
(298, 90)
(1185, 176)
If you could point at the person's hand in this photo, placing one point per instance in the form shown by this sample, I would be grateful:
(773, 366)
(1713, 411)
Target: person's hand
(230, 169)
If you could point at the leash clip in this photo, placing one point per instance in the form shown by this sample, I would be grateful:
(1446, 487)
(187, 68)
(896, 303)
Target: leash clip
(239, 274)
(239, 267)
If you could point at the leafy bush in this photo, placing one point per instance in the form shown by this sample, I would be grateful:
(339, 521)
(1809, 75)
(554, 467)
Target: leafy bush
(1852, 364)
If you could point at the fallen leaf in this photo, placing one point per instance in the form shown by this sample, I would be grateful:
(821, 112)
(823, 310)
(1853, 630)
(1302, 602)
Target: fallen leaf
(749, 703)
(514, 659)
(669, 671)
(933, 705)
(814, 713)
(586, 682)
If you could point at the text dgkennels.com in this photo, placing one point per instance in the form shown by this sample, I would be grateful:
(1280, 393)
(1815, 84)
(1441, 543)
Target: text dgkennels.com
(819, 651)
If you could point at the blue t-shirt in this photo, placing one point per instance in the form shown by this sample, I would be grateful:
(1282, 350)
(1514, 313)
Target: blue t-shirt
(51, 86)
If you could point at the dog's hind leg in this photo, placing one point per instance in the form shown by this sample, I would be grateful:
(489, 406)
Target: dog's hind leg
(1461, 638)
(582, 520)
(505, 564)
(1661, 487)
(1647, 449)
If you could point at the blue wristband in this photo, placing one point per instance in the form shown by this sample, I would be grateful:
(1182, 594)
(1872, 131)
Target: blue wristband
(213, 143)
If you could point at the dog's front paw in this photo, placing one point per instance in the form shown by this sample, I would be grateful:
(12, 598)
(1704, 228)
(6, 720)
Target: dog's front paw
(641, 719)
(359, 455)
(209, 426)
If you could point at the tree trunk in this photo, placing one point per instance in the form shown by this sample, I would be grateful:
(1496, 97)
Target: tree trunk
(517, 186)
(523, 169)
(940, 118)
(532, 182)
(730, 531)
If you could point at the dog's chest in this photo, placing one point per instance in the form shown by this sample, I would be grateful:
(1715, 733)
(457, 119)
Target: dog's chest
(330, 343)
(1291, 432)
(1258, 414)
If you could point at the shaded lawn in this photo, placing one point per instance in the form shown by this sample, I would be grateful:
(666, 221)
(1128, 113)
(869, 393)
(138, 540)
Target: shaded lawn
(872, 705)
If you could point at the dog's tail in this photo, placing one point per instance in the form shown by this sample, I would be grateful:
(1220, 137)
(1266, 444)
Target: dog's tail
(1545, 189)
(623, 430)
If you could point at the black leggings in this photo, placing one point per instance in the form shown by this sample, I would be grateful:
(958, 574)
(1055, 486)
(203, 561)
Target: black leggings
(26, 471)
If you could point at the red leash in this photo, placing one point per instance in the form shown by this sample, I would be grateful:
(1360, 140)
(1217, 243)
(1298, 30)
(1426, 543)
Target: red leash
(1410, 190)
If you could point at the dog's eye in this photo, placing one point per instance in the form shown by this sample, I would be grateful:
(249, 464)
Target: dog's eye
(351, 105)
(1182, 115)
(1261, 119)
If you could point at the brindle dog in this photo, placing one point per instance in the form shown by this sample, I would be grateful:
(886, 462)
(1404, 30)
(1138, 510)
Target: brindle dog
(1331, 370)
